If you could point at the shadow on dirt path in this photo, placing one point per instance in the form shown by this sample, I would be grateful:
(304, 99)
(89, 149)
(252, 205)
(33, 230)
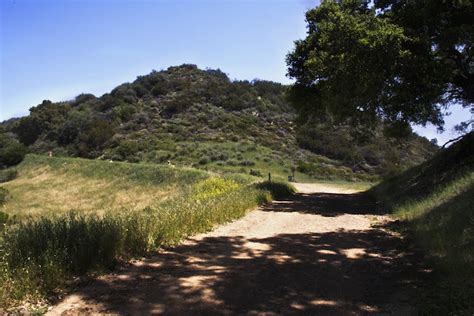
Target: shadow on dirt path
(316, 254)
(326, 204)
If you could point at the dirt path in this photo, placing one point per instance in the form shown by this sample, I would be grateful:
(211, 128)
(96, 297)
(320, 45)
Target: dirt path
(318, 253)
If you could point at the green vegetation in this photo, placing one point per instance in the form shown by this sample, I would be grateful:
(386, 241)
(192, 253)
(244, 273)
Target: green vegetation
(372, 68)
(201, 118)
(384, 63)
(50, 185)
(365, 71)
(4, 195)
(419, 182)
(43, 254)
(436, 201)
(8, 174)
(11, 151)
(279, 190)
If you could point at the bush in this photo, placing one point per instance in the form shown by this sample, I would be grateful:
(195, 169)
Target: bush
(278, 190)
(247, 163)
(12, 154)
(204, 160)
(8, 175)
(232, 162)
(219, 156)
(214, 186)
(255, 173)
(4, 195)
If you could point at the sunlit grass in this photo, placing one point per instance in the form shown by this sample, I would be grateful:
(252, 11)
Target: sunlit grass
(41, 255)
(57, 185)
(444, 223)
(413, 209)
(117, 216)
(435, 204)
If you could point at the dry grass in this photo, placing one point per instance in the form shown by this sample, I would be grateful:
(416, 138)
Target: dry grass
(45, 189)
(127, 216)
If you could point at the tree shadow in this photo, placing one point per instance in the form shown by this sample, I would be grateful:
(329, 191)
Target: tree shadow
(335, 273)
(343, 272)
(326, 204)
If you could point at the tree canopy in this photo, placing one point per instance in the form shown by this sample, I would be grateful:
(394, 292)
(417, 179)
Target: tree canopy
(391, 61)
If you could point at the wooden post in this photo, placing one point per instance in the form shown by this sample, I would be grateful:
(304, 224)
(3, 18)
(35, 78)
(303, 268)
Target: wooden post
(293, 169)
(269, 177)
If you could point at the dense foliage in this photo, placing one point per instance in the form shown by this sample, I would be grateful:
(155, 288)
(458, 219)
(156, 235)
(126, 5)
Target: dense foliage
(401, 61)
(11, 151)
(202, 118)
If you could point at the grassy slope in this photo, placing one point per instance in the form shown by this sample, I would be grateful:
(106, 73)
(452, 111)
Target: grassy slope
(266, 160)
(41, 254)
(56, 185)
(436, 200)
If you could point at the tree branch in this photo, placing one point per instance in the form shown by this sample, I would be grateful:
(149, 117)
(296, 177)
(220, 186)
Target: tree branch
(452, 141)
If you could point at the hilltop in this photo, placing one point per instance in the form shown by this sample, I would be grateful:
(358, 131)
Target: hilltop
(192, 117)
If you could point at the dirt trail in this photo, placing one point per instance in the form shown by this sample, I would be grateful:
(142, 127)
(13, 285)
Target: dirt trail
(323, 252)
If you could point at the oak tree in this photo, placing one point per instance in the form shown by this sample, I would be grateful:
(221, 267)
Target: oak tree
(391, 61)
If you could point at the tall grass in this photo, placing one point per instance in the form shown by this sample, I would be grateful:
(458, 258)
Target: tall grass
(41, 255)
(56, 185)
(435, 203)
(443, 225)
(141, 173)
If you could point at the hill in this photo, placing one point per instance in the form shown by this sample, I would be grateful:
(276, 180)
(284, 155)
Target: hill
(435, 201)
(201, 118)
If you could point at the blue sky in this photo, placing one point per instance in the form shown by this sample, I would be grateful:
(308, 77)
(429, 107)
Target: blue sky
(58, 49)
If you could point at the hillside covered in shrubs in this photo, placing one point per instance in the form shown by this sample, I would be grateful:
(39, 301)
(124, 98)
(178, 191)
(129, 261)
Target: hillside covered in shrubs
(192, 117)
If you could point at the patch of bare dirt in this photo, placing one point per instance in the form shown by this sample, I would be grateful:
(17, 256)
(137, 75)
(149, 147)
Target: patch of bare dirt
(318, 253)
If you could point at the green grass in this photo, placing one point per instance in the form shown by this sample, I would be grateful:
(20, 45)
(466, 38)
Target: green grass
(279, 190)
(69, 217)
(56, 185)
(443, 225)
(8, 175)
(4, 195)
(41, 255)
(435, 202)
(244, 156)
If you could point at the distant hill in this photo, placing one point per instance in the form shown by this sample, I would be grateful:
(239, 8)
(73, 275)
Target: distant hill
(189, 116)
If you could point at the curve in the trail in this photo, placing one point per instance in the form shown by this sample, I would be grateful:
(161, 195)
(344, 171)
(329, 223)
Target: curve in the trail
(323, 252)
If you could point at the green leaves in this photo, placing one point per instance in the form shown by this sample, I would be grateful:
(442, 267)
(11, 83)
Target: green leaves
(11, 151)
(363, 63)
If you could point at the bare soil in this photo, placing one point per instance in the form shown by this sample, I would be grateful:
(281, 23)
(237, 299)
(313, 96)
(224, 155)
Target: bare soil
(324, 252)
